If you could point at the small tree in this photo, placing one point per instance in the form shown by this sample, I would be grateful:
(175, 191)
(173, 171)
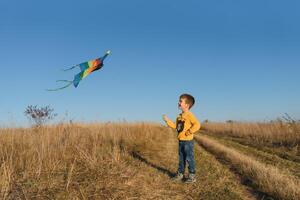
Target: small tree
(229, 121)
(206, 121)
(39, 115)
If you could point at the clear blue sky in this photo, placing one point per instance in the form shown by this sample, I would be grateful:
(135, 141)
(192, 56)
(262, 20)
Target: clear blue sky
(240, 59)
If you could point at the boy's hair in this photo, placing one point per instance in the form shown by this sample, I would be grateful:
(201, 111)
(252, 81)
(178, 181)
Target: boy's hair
(189, 99)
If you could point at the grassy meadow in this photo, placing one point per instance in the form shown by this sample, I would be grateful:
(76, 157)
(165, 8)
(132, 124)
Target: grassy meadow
(279, 137)
(267, 155)
(137, 160)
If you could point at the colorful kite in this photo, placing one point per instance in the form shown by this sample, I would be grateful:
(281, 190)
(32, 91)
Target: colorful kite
(86, 69)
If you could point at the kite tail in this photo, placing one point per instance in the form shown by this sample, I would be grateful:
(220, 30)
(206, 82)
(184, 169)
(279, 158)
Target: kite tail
(70, 68)
(69, 83)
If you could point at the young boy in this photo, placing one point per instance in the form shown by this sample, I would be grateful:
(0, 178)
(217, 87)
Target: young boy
(186, 125)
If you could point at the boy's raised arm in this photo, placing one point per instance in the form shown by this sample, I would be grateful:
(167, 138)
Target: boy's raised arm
(169, 122)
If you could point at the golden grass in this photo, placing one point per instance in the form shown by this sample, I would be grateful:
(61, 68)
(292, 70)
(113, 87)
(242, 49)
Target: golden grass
(265, 177)
(278, 133)
(35, 160)
(104, 161)
(262, 156)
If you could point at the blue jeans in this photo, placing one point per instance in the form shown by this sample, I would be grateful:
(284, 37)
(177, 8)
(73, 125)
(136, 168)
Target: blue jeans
(186, 155)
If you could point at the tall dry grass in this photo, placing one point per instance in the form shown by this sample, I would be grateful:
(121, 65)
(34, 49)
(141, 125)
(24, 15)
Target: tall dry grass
(105, 161)
(265, 177)
(70, 161)
(274, 134)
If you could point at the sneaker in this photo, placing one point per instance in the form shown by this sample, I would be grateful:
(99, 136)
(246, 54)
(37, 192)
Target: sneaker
(178, 177)
(191, 178)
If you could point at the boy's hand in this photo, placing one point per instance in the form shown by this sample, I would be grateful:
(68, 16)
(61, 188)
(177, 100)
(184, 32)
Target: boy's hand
(165, 118)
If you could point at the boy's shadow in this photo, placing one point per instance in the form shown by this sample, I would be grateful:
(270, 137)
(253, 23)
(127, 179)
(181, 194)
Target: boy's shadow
(161, 169)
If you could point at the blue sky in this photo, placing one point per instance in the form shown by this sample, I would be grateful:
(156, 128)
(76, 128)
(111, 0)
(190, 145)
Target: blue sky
(240, 59)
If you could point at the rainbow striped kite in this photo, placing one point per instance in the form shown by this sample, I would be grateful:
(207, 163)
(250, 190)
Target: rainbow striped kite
(86, 69)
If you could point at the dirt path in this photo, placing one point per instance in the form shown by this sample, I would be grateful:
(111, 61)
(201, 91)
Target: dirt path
(214, 180)
(262, 156)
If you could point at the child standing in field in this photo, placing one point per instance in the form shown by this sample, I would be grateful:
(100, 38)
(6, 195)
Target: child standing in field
(186, 125)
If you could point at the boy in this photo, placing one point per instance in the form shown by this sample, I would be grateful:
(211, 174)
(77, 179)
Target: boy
(186, 125)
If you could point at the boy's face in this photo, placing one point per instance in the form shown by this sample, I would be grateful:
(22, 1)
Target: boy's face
(182, 105)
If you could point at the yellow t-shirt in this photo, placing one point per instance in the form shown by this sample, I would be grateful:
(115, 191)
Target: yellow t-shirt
(186, 125)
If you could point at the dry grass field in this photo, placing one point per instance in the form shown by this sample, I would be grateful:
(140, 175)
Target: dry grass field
(137, 160)
(280, 137)
(267, 154)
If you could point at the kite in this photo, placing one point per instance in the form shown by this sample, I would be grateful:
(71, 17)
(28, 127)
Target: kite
(86, 68)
